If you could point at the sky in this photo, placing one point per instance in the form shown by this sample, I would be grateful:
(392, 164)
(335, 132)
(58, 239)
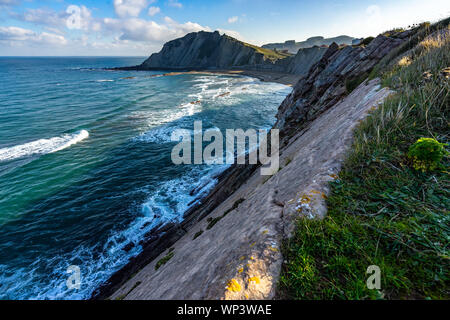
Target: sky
(141, 27)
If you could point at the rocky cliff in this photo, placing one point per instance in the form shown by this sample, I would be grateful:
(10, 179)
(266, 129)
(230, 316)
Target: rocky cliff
(209, 50)
(212, 51)
(251, 214)
(336, 74)
(293, 47)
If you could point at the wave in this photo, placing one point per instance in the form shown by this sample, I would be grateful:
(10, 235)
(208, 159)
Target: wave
(42, 146)
(164, 205)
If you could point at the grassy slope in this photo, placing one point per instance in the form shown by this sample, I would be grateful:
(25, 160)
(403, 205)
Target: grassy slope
(268, 53)
(380, 210)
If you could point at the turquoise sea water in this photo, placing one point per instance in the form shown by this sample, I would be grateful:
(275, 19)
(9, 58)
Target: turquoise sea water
(85, 163)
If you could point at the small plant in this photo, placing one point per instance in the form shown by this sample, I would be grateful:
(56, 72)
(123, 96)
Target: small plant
(352, 84)
(198, 234)
(427, 154)
(288, 160)
(213, 221)
(164, 260)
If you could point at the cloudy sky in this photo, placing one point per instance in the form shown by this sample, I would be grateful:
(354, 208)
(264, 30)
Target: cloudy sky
(140, 27)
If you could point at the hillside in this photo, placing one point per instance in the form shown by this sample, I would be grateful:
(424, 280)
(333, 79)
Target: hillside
(210, 50)
(385, 207)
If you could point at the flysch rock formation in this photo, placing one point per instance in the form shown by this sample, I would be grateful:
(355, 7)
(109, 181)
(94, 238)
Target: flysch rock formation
(204, 50)
(239, 257)
(328, 81)
(310, 111)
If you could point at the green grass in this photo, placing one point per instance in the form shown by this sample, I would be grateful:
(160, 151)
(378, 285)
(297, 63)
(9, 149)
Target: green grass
(381, 211)
(269, 53)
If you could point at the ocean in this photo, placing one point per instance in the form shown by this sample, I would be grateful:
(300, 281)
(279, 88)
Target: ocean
(85, 165)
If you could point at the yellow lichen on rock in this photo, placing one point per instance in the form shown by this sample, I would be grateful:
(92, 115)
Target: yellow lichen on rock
(254, 279)
(233, 286)
(305, 199)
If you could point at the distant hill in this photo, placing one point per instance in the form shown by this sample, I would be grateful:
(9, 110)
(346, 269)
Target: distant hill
(293, 47)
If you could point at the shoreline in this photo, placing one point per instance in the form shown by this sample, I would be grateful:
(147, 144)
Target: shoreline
(265, 76)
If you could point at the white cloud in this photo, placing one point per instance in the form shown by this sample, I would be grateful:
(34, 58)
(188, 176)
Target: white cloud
(8, 2)
(175, 4)
(45, 17)
(53, 20)
(129, 8)
(232, 33)
(153, 10)
(16, 34)
(233, 19)
(135, 29)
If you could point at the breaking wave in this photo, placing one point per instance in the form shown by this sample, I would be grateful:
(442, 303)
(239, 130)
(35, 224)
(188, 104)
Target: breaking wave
(42, 146)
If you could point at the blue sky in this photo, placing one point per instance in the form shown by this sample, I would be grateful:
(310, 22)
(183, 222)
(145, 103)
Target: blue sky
(140, 27)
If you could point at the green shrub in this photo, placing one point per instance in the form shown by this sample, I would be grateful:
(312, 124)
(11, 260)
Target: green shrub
(427, 154)
(352, 84)
(367, 41)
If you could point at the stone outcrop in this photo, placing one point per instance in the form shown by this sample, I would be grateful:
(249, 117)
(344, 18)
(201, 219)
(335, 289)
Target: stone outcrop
(304, 60)
(338, 71)
(205, 50)
(293, 47)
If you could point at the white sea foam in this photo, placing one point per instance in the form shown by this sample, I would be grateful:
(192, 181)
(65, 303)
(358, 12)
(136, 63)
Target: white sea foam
(164, 205)
(42, 146)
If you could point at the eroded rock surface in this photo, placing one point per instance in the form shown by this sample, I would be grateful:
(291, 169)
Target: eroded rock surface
(339, 70)
(239, 256)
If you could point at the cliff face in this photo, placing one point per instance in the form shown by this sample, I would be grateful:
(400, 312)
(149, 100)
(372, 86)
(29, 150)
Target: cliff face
(304, 60)
(335, 75)
(205, 50)
(210, 50)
